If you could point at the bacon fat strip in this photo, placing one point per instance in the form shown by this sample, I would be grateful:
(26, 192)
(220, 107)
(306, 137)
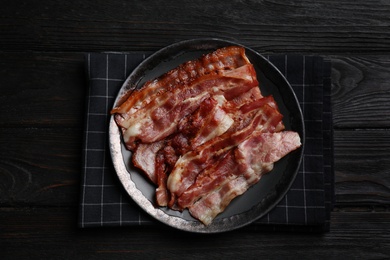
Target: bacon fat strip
(257, 155)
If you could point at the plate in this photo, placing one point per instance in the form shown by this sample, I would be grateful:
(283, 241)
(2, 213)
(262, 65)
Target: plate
(257, 200)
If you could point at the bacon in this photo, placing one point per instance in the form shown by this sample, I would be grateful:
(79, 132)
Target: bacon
(203, 125)
(160, 117)
(157, 158)
(192, 163)
(144, 158)
(253, 158)
(210, 121)
(159, 120)
(214, 203)
(268, 147)
(227, 58)
(247, 97)
(209, 179)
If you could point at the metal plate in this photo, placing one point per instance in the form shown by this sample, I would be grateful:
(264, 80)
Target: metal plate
(260, 198)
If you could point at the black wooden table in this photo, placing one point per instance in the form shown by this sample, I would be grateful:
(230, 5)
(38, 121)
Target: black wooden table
(42, 93)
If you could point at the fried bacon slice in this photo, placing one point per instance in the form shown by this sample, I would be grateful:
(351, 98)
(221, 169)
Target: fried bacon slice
(160, 117)
(145, 156)
(206, 123)
(203, 133)
(201, 126)
(192, 163)
(252, 158)
(227, 58)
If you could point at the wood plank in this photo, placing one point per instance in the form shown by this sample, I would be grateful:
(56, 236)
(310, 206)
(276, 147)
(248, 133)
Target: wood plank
(270, 26)
(52, 86)
(42, 89)
(362, 167)
(40, 166)
(52, 233)
(361, 91)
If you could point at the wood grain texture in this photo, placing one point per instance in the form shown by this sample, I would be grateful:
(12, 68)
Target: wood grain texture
(48, 233)
(40, 166)
(271, 26)
(361, 91)
(362, 167)
(42, 89)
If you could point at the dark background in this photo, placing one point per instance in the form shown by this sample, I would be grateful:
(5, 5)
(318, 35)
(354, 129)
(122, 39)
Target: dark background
(42, 91)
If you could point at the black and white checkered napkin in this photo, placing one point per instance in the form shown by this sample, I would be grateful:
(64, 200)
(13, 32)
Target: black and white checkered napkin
(307, 205)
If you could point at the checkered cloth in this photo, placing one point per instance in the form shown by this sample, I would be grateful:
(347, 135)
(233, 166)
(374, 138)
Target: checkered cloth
(308, 203)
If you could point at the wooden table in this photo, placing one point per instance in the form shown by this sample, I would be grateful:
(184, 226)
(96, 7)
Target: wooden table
(42, 90)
